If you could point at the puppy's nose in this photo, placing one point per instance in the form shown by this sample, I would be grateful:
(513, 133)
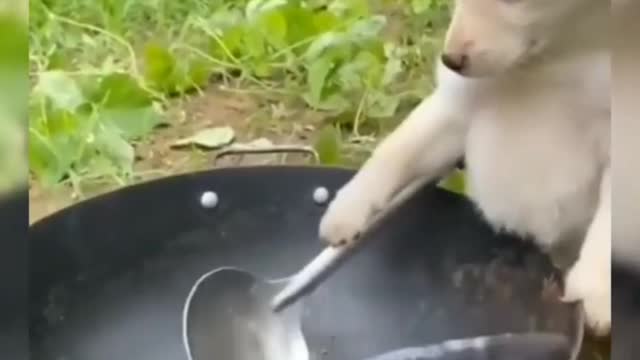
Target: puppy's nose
(455, 62)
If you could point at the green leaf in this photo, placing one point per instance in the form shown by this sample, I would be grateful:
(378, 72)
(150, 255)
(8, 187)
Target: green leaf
(258, 7)
(455, 182)
(225, 18)
(159, 66)
(326, 41)
(231, 41)
(100, 165)
(90, 87)
(14, 42)
(213, 138)
(364, 71)
(335, 102)
(132, 123)
(124, 104)
(112, 145)
(262, 69)
(52, 121)
(302, 25)
(120, 91)
(317, 77)
(165, 73)
(44, 159)
(350, 8)
(54, 146)
(62, 89)
(254, 44)
(325, 21)
(14, 65)
(380, 105)
(368, 28)
(328, 146)
(421, 6)
(393, 67)
(340, 44)
(198, 74)
(273, 27)
(349, 77)
(58, 61)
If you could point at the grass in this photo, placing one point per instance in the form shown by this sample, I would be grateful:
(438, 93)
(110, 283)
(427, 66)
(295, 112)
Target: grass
(13, 47)
(115, 80)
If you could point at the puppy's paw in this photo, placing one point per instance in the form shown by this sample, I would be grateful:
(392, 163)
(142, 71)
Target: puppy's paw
(347, 215)
(588, 284)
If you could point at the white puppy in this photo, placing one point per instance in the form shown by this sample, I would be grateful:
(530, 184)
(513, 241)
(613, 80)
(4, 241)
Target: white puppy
(523, 95)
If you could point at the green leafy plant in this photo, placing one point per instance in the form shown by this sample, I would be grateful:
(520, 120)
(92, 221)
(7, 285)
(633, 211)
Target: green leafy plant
(328, 146)
(104, 72)
(13, 49)
(82, 125)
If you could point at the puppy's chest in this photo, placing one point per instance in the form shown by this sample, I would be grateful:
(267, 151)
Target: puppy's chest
(534, 162)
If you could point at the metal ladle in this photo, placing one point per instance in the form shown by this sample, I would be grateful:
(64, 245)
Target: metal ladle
(232, 314)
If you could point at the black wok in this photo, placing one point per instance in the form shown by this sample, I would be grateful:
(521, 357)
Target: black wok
(109, 276)
(13, 276)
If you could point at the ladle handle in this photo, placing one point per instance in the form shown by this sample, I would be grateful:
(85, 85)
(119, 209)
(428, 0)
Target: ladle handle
(318, 270)
(274, 149)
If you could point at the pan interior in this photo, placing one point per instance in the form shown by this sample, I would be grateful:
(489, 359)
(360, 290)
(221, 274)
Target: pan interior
(109, 277)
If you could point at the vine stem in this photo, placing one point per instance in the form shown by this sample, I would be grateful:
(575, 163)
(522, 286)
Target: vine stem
(116, 38)
(360, 114)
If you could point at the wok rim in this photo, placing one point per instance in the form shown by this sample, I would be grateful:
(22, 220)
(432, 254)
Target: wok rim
(213, 171)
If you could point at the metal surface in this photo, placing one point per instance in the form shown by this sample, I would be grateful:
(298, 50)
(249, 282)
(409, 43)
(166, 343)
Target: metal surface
(274, 149)
(531, 346)
(321, 195)
(227, 316)
(331, 258)
(626, 313)
(209, 199)
(109, 277)
(14, 210)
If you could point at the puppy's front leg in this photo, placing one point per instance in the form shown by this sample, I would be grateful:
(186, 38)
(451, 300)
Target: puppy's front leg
(589, 279)
(425, 145)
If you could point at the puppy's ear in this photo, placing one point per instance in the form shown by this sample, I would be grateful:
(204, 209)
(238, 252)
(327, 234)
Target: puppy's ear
(534, 346)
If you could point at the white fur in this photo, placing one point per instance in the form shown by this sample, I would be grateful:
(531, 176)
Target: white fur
(534, 128)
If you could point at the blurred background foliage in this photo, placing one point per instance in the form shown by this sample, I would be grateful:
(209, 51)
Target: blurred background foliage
(14, 89)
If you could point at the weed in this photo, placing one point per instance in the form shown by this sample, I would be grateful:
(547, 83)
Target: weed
(104, 72)
(13, 85)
